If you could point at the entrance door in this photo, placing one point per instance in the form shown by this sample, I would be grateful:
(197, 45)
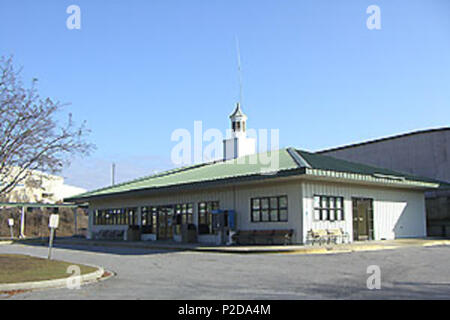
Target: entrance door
(165, 216)
(362, 219)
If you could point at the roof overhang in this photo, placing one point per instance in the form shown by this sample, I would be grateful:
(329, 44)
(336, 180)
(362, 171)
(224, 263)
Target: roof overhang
(196, 185)
(381, 180)
(323, 175)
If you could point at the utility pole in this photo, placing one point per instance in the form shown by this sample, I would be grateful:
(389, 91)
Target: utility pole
(75, 220)
(113, 174)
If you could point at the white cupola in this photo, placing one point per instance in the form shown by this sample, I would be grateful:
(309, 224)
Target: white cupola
(238, 145)
(238, 121)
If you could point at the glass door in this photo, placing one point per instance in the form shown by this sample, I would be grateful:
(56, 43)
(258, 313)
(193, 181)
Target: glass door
(165, 218)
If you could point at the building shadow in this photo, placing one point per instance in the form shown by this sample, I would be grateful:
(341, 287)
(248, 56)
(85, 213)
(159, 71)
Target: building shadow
(94, 248)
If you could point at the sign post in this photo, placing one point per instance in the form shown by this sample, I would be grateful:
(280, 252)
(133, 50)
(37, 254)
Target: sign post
(11, 225)
(22, 223)
(53, 224)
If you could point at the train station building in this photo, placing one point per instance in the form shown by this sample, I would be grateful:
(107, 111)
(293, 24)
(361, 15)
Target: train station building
(308, 193)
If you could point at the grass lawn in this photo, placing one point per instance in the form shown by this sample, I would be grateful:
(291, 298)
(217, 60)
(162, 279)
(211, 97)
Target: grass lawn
(21, 268)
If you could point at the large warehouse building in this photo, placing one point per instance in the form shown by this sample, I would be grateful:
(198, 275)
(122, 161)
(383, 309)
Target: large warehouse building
(307, 193)
(423, 153)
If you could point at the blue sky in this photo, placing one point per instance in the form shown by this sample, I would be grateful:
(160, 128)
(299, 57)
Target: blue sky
(138, 70)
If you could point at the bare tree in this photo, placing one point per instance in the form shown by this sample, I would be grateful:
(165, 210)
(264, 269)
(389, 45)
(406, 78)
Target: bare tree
(31, 137)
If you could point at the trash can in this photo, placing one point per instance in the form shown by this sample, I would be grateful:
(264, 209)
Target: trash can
(188, 233)
(133, 233)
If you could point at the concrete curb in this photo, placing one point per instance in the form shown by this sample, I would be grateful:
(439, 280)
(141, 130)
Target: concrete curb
(237, 250)
(437, 243)
(256, 250)
(6, 242)
(56, 283)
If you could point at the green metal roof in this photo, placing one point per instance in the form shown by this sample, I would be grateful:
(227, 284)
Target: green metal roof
(334, 164)
(291, 162)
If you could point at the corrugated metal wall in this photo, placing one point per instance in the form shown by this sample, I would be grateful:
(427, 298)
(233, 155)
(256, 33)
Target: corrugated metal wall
(397, 213)
(229, 198)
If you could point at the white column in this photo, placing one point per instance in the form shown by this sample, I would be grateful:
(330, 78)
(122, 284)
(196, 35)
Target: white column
(139, 217)
(90, 222)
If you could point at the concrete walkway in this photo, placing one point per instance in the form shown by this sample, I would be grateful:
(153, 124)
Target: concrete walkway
(255, 249)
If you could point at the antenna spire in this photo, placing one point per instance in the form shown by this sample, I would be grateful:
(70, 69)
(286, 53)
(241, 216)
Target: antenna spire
(238, 51)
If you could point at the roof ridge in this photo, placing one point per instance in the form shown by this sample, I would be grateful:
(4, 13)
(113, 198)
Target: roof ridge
(298, 159)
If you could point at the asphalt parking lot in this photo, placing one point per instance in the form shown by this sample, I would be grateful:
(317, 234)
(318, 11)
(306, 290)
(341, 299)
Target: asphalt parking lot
(407, 273)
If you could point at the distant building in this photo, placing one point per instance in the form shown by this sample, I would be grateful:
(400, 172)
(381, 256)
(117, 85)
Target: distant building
(307, 194)
(40, 187)
(423, 153)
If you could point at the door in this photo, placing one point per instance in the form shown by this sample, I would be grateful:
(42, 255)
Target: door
(165, 216)
(362, 219)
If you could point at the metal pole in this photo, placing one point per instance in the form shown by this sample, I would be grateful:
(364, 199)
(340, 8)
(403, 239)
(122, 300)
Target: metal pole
(50, 243)
(113, 174)
(75, 221)
(12, 232)
(22, 224)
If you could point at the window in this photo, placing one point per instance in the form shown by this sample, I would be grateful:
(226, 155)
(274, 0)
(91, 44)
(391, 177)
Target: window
(205, 216)
(132, 218)
(187, 213)
(269, 209)
(115, 217)
(184, 214)
(148, 219)
(96, 217)
(328, 208)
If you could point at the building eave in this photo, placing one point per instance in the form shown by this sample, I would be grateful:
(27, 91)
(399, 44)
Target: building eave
(370, 179)
(196, 185)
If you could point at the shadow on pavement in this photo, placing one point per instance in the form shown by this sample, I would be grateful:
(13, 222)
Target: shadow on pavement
(111, 249)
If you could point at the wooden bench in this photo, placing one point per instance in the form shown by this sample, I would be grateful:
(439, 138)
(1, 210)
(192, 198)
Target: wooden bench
(263, 237)
(243, 237)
